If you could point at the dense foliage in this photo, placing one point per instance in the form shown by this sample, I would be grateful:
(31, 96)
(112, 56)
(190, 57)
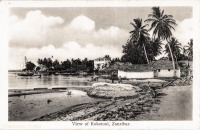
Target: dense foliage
(71, 66)
(189, 50)
(30, 66)
(142, 47)
(175, 48)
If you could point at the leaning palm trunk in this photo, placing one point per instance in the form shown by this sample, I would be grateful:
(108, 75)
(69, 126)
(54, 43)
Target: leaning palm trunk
(146, 54)
(172, 58)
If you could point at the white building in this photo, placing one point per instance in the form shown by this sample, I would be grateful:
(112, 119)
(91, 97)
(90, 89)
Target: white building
(137, 71)
(43, 68)
(160, 68)
(128, 70)
(101, 63)
(164, 68)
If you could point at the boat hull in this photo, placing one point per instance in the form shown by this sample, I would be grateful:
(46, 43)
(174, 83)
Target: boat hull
(25, 74)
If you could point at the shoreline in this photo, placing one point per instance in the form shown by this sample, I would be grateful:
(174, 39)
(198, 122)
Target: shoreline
(108, 107)
(142, 108)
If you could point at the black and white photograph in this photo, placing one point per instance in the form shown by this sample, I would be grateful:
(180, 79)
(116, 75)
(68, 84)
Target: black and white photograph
(100, 64)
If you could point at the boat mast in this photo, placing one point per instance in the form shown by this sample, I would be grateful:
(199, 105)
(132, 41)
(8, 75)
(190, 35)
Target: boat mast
(25, 62)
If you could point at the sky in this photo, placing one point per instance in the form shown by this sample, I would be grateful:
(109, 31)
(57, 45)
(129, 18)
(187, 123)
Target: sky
(79, 32)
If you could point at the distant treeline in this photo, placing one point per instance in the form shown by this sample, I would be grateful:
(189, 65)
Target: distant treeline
(68, 66)
(71, 66)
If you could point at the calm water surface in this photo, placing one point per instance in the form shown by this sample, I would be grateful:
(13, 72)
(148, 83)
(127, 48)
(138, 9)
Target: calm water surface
(29, 107)
(20, 82)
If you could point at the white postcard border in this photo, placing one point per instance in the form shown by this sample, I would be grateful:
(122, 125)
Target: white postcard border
(5, 124)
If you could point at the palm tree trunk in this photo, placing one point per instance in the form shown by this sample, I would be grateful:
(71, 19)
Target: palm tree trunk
(172, 57)
(145, 54)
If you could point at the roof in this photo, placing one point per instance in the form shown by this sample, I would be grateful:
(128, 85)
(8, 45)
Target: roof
(130, 67)
(102, 59)
(163, 64)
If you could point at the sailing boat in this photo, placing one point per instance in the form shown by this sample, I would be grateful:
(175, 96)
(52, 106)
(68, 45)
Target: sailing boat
(26, 72)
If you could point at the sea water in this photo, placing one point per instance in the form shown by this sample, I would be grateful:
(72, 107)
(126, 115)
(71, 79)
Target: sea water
(49, 81)
(28, 107)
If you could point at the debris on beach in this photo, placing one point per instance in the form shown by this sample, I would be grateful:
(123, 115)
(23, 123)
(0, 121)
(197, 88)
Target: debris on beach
(182, 81)
(114, 109)
(49, 101)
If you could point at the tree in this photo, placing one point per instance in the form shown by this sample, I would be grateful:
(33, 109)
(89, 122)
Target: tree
(56, 65)
(90, 66)
(38, 68)
(153, 48)
(30, 66)
(139, 34)
(107, 57)
(183, 55)
(66, 64)
(189, 49)
(133, 53)
(49, 63)
(84, 64)
(175, 48)
(156, 47)
(40, 61)
(162, 25)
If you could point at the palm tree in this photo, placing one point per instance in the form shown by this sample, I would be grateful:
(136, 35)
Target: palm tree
(139, 34)
(189, 49)
(175, 48)
(162, 25)
(156, 47)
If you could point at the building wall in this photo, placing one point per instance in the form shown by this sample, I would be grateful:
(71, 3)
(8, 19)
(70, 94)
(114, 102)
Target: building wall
(167, 73)
(124, 74)
(101, 63)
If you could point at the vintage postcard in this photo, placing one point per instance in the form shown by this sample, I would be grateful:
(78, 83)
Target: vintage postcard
(100, 65)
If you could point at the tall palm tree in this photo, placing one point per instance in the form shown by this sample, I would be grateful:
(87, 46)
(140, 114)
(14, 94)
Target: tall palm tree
(175, 48)
(139, 34)
(162, 25)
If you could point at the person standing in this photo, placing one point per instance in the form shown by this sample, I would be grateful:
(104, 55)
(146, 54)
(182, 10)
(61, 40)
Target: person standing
(119, 80)
(112, 77)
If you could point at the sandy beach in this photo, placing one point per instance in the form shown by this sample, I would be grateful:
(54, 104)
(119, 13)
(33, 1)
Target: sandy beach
(104, 101)
(29, 107)
(176, 104)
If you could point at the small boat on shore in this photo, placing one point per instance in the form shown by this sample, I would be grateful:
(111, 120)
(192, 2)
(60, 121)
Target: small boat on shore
(26, 74)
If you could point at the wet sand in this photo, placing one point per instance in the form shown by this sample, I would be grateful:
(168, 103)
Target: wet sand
(29, 107)
(171, 103)
(124, 103)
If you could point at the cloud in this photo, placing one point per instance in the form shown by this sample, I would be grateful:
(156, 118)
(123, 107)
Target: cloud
(68, 50)
(82, 23)
(184, 31)
(32, 30)
(111, 36)
(38, 30)
(38, 19)
(38, 36)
